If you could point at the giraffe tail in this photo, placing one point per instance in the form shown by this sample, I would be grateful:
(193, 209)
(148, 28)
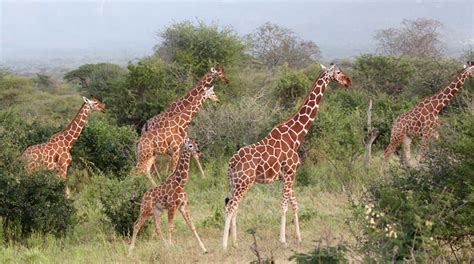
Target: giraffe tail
(226, 200)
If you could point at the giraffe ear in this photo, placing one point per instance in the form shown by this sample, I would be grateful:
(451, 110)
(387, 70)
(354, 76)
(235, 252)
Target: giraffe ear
(87, 101)
(323, 67)
(465, 66)
(213, 70)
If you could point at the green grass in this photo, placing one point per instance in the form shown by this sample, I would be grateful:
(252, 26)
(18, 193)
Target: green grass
(93, 239)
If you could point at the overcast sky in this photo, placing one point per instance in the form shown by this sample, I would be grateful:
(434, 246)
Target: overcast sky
(48, 29)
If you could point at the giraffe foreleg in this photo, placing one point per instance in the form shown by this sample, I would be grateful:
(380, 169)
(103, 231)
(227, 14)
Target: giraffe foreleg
(171, 212)
(294, 205)
(406, 157)
(157, 214)
(425, 140)
(187, 217)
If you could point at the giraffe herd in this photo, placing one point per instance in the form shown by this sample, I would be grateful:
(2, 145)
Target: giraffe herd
(273, 158)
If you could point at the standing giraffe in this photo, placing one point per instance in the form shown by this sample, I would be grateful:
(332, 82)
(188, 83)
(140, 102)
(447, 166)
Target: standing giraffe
(169, 135)
(54, 153)
(180, 105)
(170, 195)
(423, 120)
(275, 157)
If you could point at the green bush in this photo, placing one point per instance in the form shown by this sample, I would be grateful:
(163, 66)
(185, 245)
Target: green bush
(109, 148)
(427, 213)
(121, 202)
(34, 203)
(198, 47)
(292, 87)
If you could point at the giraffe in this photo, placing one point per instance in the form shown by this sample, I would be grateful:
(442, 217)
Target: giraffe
(423, 120)
(54, 153)
(169, 135)
(179, 105)
(275, 157)
(169, 195)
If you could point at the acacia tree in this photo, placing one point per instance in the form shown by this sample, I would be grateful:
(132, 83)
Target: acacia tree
(414, 38)
(274, 45)
(95, 79)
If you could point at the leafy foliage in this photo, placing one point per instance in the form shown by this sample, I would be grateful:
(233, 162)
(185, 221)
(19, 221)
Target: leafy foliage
(95, 79)
(110, 148)
(121, 200)
(420, 214)
(198, 47)
(34, 203)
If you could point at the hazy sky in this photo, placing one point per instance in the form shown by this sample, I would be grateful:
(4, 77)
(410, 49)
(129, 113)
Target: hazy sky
(48, 29)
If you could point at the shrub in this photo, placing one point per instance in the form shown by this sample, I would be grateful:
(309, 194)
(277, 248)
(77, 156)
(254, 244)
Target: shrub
(292, 87)
(121, 202)
(34, 203)
(427, 213)
(110, 148)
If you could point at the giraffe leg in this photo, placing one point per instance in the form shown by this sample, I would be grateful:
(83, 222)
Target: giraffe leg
(294, 205)
(286, 193)
(395, 141)
(231, 210)
(156, 170)
(144, 214)
(233, 223)
(187, 217)
(171, 212)
(157, 214)
(406, 158)
(425, 140)
(62, 173)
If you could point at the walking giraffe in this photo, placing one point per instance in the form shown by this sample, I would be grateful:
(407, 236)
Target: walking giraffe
(275, 157)
(54, 153)
(423, 120)
(161, 121)
(170, 196)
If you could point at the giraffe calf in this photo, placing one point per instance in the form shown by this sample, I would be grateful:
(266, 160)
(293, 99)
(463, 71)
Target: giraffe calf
(171, 196)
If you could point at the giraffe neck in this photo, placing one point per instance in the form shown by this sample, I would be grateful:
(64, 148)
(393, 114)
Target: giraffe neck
(71, 133)
(187, 115)
(301, 121)
(182, 103)
(181, 173)
(441, 98)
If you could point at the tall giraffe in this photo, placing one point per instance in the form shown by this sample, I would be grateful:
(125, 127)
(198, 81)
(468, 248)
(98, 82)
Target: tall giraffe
(275, 157)
(423, 120)
(169, 135)
(54, 153)
(179, 105)
(170, 196)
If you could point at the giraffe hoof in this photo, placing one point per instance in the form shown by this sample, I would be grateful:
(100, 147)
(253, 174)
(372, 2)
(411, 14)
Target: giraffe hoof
(284, 244)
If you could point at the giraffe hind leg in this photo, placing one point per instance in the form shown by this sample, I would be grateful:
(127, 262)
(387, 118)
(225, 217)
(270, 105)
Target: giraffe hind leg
(187, 217)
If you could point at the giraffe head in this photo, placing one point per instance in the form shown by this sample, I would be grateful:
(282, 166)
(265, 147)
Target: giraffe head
(469, 68)
(335, 74)
(95, 104)
(210, 94)
(218, 71)
(191, 146)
